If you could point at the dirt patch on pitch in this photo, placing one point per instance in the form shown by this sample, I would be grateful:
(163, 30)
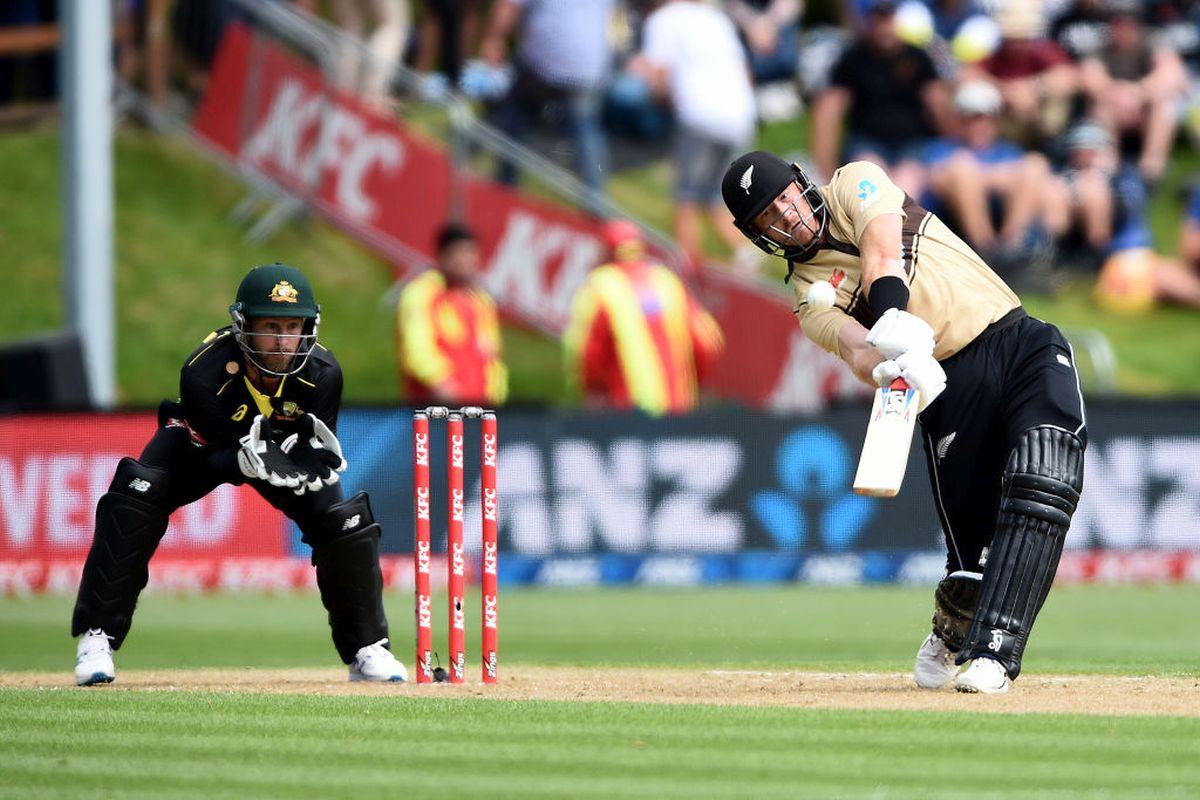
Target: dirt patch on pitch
(1073, 694)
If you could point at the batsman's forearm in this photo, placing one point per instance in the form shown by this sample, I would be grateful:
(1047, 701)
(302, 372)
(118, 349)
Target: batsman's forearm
(858, 355)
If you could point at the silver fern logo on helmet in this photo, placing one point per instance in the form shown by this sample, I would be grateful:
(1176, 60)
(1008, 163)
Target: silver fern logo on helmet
(746, 179)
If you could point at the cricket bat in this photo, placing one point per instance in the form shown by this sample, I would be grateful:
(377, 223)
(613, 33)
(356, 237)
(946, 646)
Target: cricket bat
(889, 431)
(889, 436)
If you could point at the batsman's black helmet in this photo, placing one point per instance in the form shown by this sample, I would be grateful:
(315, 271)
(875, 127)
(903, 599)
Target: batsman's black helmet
(276, 290)
(752, 183)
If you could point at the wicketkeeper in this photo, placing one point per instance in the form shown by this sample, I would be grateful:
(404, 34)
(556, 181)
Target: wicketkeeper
(1003, 420)
(258, 404)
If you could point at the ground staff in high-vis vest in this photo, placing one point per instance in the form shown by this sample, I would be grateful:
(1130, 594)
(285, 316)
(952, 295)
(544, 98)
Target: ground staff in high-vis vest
(448, 331)
(637, 338)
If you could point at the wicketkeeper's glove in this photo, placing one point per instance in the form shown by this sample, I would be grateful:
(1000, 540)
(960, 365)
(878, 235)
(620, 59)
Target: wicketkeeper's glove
(315, 450)
(262, 459)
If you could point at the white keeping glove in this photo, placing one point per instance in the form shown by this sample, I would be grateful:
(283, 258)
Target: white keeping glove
(898, 332)
(921, 372)
(262, 459)
(316, 450)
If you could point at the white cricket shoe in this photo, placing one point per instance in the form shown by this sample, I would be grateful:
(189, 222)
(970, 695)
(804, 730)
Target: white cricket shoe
(983, 676)
(935, 666)
(376, 663)
(93, 659)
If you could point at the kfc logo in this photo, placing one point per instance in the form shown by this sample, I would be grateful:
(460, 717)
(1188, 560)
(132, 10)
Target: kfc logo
(423, 502)
(423, 558)
(490, 614)
(421, 445)
(456, 505)
(424, 613)
(489, 558)
(457, 562)
(489, 504)
(489, 450)
(456, 451)
(340, 146)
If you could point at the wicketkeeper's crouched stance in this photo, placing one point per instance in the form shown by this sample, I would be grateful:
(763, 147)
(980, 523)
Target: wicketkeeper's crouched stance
(258, 403)
(1003, 422)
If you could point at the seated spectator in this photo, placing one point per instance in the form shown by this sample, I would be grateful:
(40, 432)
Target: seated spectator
(770, 30)
(1082, 29)
(1036, 78)
(1134, 86)
(977, 175)
(448, 333)
(890, 98)
(1189, 236)
(1083, 213)
(692, 58)
(1134, 278)
(949, 15)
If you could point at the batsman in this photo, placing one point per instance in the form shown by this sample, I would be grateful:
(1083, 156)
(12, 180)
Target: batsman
(258, 404)
(1002, 416)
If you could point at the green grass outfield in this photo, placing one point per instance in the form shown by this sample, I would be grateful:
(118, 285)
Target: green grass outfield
(1135, 631)
(66, 742)
(106, 744)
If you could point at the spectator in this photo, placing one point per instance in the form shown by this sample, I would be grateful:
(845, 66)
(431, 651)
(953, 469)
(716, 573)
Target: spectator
(978, 175)
(1189, 237)
(890, 98)
(1036, 78)
(1134, 87)
(691, 56)
(447, 30)
(637, 338)
(448, 331)
(383, 25)
(949, 15)
(562, 64)
(770, 30)
(1082, 30)
(1083, 211)
(1134, 278)
(27, 76)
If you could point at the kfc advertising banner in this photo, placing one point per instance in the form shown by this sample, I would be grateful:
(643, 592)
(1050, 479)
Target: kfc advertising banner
(609, 498)
(267, 110)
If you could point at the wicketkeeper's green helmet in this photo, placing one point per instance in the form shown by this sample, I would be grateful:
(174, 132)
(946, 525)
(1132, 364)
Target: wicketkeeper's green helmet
(276, 290)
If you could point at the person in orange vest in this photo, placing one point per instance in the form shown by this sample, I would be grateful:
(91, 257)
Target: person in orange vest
(637, 338)
(448, 331)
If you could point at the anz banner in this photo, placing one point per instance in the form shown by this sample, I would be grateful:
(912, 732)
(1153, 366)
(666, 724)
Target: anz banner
(739, 495)
(589, 498)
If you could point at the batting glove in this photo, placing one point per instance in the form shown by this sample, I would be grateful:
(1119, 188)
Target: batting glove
(898, 332)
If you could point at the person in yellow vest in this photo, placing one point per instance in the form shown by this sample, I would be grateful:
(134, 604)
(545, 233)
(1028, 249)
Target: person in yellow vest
(448, 331)
(637, 338)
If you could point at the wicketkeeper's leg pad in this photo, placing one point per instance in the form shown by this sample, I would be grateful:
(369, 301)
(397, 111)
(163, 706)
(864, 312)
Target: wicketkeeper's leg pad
(349, 577)
(131, 519)
(1042, 482)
